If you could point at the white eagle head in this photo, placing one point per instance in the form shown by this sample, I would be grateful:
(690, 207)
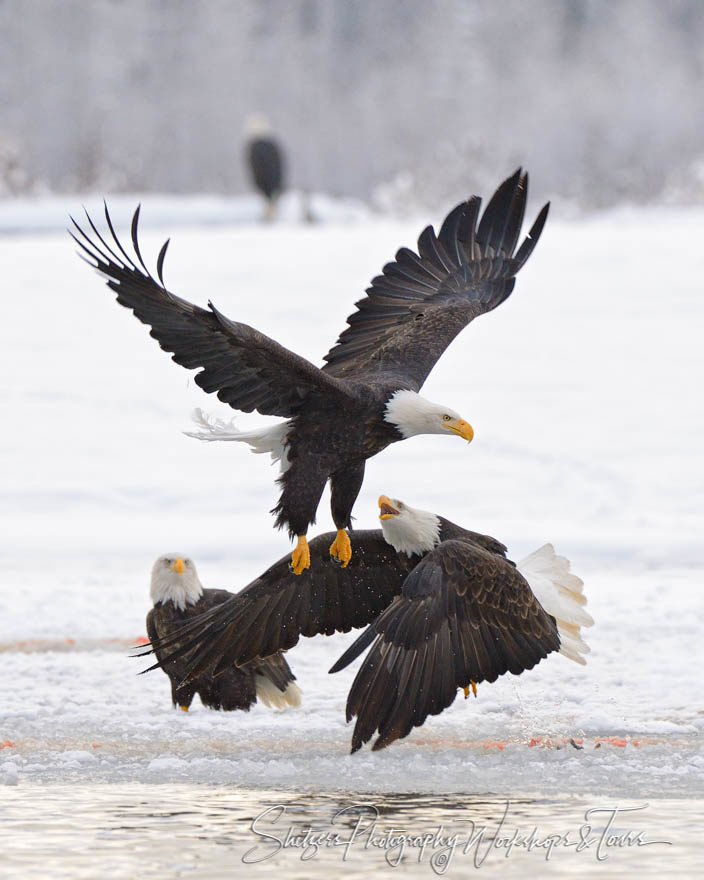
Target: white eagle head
(175, 579)
(413, 414)
(407, 529)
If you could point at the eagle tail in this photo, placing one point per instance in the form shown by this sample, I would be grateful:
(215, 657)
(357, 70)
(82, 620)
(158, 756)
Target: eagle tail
(269, 694)
(561, 594)
(274, 681)
(271, 440)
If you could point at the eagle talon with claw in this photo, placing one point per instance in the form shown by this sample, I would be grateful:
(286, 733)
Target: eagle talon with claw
(341, 549)
(300, 557)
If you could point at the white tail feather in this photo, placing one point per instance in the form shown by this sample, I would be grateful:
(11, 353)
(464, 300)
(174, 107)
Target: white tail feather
(271, 440)
(561, 594)
(272, 697)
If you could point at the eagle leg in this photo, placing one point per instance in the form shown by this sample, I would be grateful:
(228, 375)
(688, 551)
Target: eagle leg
(300, 557)
(183, 708)
(473, 685)
(341, 549)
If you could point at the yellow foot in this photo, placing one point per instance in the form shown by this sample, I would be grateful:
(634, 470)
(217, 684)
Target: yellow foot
(473, 685)
(300, 558)
(183, 708)
(341, 549)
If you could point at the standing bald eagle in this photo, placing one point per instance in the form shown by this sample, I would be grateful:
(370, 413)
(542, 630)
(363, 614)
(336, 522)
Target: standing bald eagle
(446, 610)
(366, 395)
(265, 162)
(179, 597)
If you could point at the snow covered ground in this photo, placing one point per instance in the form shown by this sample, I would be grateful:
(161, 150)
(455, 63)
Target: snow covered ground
(584, 390)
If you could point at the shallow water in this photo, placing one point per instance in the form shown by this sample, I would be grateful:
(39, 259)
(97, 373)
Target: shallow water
(86, 831)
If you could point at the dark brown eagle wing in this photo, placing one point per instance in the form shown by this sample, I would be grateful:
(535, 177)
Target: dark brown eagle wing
(414, 310)
(465, 614)
(277, 608)
(246, 369)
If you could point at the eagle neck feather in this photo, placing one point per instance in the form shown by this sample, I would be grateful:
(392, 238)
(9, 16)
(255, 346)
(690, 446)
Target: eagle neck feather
(414, 532)
(182, 590)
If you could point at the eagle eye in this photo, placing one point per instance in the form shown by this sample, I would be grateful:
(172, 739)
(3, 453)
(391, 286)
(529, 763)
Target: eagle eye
(446, 418)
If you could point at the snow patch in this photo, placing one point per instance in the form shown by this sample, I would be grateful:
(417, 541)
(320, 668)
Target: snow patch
(167, 764)
(9, 773)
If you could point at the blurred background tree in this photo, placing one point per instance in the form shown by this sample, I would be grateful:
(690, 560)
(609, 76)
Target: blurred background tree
(405, 102)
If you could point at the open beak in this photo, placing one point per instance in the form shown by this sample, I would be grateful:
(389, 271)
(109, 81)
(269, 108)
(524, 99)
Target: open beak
(462, 429)
(386, 508)
(177, 565)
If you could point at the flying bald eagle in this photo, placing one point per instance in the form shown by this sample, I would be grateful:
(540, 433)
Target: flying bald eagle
(444, 609)
(179, 597)
(366, 395)
(265, 162)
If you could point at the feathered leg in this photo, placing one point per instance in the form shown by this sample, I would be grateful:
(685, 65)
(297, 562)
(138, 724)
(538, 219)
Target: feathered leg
(344, 486)
(232, 690)
(181, 696)
(270, 210)
(303, 484)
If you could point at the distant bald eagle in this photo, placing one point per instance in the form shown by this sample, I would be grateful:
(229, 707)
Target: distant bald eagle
(265, 161)
(447, 610)
(179, 597)
(366, 396)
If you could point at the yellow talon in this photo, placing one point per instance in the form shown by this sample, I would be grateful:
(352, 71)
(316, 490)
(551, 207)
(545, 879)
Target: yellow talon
(473, 685)
(183, 708)
(300, 558)
(341, 549)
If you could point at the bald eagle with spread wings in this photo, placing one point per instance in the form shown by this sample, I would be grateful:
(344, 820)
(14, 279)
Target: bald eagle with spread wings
(366, 396)
(444, 609)
(179, 597)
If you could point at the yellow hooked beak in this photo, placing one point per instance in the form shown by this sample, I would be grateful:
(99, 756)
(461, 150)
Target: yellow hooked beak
(177, 565)
(461, 428)
(386, 508)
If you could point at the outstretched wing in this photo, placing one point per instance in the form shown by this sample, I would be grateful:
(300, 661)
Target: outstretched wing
(464, 615)
(415, 309)
(244, 367)
(277, 608)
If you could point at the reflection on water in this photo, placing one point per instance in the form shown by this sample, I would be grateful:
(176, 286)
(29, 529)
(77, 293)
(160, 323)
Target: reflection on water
(85, 831)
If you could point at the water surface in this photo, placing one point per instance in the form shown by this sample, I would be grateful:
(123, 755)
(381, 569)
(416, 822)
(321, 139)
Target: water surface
(211, 831)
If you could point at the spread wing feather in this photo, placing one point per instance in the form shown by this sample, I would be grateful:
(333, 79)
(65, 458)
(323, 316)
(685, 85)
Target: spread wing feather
(414, 310)
(465, 614)
(246, 369)
(277, 608)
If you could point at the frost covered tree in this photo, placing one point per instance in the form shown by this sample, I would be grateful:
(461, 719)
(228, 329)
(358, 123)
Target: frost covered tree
(602, 99)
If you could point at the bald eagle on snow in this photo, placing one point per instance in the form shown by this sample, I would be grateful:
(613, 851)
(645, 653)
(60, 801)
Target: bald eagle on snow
(179, 597)
(443, 606)
(366, 395)
(265, 162)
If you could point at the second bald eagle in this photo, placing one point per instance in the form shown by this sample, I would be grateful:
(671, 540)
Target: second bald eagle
(179, 597)
(366, 395)
(444, 609)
